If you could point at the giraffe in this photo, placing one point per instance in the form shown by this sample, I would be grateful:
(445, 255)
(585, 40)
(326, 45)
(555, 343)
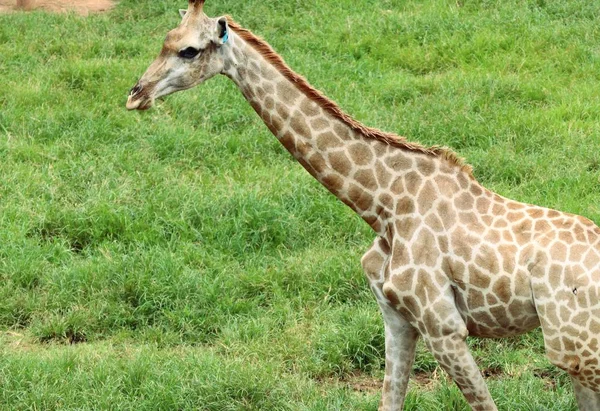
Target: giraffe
(451, 258)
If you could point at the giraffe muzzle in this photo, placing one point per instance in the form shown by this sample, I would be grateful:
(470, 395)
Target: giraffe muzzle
(138, 98)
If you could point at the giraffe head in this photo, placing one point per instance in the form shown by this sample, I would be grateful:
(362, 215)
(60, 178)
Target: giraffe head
(191, 54)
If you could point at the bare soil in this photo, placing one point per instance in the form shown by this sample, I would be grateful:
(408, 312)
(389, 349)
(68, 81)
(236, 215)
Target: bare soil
(82, 7)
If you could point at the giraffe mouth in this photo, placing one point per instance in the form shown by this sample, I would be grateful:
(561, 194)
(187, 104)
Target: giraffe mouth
(142, 103)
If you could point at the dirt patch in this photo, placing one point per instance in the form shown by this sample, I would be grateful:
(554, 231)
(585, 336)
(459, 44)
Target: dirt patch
(356, 381)
(492, 372)
(428, 379)
(364, 384)
(423, 378)
(81, 7)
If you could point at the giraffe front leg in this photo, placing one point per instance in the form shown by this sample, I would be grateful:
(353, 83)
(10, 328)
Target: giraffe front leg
(426, 300)
(400, 344)
(452, 353)
(445, 334)
(400, 336)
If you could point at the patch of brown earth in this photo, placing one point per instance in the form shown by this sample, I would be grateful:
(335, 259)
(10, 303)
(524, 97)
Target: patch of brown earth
(364, 384)
(422, 378)
(81, 7)
(427, 380)
(492, 372)
(356, 381)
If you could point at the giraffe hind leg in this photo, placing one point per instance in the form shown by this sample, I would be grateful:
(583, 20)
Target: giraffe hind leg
(587, 400)
(570, 334)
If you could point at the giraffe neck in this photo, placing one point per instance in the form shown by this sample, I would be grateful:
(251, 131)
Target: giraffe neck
(362, 171)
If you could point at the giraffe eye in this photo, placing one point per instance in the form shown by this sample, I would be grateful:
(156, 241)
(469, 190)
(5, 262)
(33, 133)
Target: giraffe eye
(189, 53)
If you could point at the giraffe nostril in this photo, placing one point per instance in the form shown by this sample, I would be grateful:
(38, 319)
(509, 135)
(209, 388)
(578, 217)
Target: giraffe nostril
(135, 90)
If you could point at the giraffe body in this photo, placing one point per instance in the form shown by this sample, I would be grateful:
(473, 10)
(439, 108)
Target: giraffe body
(451, 258)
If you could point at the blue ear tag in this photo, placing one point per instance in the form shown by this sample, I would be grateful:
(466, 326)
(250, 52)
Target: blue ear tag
(226, 37)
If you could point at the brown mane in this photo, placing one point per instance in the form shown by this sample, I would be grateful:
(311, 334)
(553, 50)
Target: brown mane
(315, 95)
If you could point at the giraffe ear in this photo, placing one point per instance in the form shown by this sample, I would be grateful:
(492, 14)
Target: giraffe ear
(222, 31)
(182, 12)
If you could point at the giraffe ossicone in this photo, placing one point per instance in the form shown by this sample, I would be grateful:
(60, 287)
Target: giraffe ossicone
(451, 258)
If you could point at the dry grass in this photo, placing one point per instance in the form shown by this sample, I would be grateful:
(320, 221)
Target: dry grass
(82, 7)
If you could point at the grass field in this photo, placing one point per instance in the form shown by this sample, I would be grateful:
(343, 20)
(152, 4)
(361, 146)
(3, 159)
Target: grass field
(181, 259)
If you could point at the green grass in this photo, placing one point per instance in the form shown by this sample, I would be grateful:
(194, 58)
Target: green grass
(180, 259)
